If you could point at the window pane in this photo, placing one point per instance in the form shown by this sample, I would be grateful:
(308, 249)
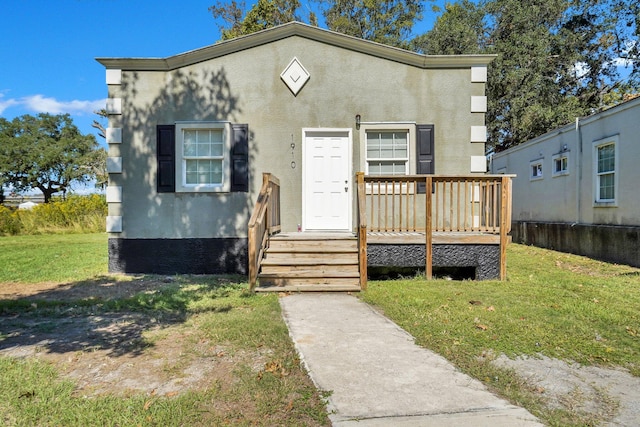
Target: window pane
(190, 143)
(203, 143)
(399, 168)
(373, 145)
(216, 149)
(203, 172)
(204, 150)
(606, 158)
(400, 144)
(387, 145)
(387, 168)
(192, 166)
(216, 172)
(536, 170)
(607, 187)
(374, 168)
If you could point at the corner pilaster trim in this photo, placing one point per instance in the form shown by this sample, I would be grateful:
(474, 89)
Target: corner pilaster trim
(114, 194)
(113, 76)
(114, 135)
(114, 164)
(114, 106)
(478, 164)
(478, 74)
(114, 224)
(478, 104)
(478, 134)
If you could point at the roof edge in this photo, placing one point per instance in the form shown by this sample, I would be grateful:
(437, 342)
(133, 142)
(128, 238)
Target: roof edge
(302, 30)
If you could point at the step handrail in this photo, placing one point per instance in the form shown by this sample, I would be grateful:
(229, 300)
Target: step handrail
(264, 222)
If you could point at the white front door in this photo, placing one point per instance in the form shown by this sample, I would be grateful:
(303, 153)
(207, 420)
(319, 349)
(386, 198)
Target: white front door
(326, 179)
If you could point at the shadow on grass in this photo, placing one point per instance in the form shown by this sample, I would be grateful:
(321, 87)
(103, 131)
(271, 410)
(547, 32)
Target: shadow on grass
(104, 314)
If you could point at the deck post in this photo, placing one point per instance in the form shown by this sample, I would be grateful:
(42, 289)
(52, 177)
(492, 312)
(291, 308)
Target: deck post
(428, 230)
(504, 227)
(362, 230)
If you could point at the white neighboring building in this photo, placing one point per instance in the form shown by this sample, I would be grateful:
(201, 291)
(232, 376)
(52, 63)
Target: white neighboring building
(578, 187)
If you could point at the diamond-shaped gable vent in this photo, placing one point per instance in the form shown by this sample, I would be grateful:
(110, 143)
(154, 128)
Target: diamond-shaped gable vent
(295, 76)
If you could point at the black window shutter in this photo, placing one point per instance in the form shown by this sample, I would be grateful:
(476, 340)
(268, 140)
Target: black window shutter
(166, 154)
(240, 158)
(424, 152)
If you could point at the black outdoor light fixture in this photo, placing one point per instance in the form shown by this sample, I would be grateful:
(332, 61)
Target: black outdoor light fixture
(358, 121)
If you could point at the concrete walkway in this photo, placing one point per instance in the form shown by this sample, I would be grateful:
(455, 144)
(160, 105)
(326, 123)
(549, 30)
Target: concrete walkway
(378, 376)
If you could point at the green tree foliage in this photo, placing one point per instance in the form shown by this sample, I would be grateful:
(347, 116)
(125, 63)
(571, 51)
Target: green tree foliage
(459, 30)
(99, 163)
(262, 15)
(47, 152)
(556, 59)
(384, 21)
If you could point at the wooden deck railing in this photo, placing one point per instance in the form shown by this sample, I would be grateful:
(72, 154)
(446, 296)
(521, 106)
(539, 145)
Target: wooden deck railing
(265, 221)
(436, 203)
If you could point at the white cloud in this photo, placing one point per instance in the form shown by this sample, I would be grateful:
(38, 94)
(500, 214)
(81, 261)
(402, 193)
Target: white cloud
(43, 104)
(6, 104)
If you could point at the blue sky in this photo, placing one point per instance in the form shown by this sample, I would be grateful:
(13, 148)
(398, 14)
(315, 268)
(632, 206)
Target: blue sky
(48, 48)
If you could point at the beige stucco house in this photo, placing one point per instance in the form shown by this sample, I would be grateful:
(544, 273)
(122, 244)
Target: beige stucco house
(191, 135)
(577, 186)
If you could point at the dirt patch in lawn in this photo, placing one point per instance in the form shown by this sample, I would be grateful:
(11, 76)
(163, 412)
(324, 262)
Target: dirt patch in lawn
(610, 395)
(118, 353)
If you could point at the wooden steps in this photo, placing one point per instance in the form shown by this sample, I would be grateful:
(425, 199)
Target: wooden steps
(303, 262)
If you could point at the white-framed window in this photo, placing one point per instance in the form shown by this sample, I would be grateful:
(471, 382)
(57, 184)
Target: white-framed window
(605, 159)
(535, 170)
(387, 151)
(560, 164)
(202, 163)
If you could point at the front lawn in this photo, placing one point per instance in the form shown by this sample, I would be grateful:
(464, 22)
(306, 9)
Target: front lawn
(554, 304)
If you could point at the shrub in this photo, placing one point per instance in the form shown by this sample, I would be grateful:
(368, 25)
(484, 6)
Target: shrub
(9, 221)
(76, 214)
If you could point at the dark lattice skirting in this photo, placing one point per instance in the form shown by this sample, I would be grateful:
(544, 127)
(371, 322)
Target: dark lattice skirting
(178, 256)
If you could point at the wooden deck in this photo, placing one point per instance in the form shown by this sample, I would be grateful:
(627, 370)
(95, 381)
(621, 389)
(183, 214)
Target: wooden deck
(430, 210)
(438, 238)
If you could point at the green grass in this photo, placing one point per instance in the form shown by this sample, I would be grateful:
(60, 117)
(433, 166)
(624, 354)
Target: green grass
(204, 308)
(554, 304)
(52, 258)
(33, 393)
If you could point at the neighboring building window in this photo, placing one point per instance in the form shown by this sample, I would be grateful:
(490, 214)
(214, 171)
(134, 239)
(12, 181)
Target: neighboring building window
(535, 168)
(605, 170)
(202, 150)
(387, 152)
(560, 164)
